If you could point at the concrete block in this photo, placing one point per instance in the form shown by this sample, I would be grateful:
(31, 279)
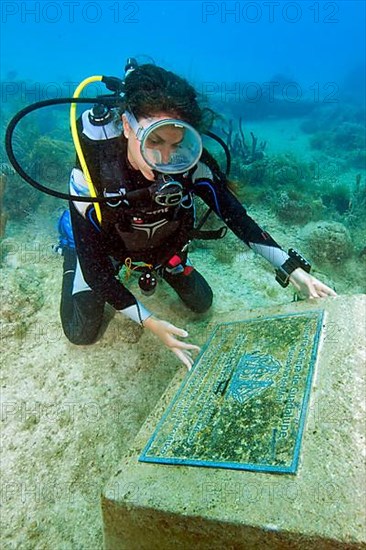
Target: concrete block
(155, 506)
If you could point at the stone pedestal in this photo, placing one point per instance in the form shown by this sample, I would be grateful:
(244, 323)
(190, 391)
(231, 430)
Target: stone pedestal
(156, 506)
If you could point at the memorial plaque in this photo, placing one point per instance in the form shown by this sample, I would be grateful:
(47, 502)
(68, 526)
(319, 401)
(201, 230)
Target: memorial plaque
(243, 404)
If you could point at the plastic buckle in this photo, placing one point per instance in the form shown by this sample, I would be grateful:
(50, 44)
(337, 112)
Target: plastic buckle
(174, 261)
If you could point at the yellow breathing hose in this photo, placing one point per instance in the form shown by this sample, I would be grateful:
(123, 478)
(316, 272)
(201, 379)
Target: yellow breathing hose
(77, 145)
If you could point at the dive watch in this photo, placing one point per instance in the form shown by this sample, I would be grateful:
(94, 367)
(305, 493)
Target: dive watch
(293, 262)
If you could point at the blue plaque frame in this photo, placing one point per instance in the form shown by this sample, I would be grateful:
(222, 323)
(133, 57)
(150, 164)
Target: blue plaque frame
(148, 455)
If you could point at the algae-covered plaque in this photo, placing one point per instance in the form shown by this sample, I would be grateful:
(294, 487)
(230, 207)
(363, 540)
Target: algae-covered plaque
(243, 404)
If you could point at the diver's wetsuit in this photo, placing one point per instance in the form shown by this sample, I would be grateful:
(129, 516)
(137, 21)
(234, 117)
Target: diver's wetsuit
(145, 232)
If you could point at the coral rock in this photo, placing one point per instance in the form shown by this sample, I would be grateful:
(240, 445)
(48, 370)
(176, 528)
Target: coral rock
(327, 241)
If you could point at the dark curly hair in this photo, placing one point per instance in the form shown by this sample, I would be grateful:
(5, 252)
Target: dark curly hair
(150, 90)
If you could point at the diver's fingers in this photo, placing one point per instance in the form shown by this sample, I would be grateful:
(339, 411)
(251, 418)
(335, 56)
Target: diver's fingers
(323, 290)
(183, 345)
(327, 290)
(177, 331)
(322, 293)
(187, 361)
(312, 292)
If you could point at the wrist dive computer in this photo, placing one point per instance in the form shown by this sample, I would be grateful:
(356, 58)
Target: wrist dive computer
(293, 262)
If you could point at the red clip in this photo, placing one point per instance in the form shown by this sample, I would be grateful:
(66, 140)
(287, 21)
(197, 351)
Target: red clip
(174, 261)
(188, 270)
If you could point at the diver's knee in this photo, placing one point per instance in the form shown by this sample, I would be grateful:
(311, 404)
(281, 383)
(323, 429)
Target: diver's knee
(204, 303)
(80, 337)
(82, 341)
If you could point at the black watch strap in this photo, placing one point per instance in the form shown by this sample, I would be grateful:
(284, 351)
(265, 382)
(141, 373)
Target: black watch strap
(293, 262)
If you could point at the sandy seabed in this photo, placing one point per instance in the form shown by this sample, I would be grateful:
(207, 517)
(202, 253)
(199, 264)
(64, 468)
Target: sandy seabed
(69, 412)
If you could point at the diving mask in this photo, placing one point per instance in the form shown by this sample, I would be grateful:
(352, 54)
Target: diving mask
(169, 146)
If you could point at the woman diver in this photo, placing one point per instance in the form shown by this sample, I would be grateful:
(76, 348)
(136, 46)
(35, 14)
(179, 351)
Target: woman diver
(151, 166)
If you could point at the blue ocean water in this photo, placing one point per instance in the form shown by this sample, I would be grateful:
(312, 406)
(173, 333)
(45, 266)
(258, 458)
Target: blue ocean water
(310, 42)
(291, 72)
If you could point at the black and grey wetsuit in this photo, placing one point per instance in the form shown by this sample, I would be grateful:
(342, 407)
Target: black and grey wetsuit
(144, 231)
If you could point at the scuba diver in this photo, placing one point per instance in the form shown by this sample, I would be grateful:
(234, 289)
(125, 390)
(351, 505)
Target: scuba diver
(157, 150)
(146, 161)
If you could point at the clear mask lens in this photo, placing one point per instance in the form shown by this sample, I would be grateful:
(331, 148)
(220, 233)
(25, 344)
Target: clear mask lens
(169, 146)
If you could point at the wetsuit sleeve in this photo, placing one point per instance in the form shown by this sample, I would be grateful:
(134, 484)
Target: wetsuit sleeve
(96, 265)
(218, 197)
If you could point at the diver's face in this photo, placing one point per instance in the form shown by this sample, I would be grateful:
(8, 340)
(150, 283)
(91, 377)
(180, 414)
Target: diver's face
(162, 142)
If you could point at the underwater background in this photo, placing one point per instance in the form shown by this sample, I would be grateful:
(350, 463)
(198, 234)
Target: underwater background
(287, 80)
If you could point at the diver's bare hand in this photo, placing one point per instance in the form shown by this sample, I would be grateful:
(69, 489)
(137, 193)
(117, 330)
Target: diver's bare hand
(309, 286)
(167, 332)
